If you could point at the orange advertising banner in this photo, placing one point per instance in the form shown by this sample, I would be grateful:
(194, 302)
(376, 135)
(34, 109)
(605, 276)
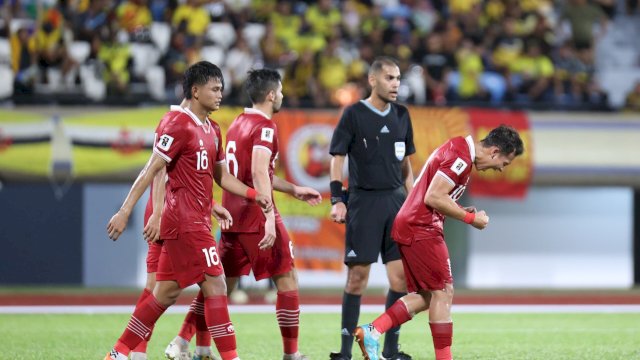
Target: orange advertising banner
(515, 180)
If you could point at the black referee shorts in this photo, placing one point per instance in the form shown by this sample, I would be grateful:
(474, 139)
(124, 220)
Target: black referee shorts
(370, 216)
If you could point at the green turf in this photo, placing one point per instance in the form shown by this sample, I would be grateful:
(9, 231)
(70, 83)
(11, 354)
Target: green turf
(477, 336)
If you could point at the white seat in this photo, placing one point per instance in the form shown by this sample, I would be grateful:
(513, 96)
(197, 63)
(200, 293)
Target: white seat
(161, 36)
(618, 84)
(144, 56)
(79, 51)
(20, 24)
(5, 51)
(222, 34)
(155, 78)
(93, 87)
(213, 54)
(253, 34)
(6, 85)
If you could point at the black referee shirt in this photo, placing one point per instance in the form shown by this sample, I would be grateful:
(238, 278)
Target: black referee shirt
(376, 143)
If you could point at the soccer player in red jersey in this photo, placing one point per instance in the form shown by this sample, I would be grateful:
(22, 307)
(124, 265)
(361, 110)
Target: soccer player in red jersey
(188, 146)
(152, 216)
(418, 231)
(259, 241)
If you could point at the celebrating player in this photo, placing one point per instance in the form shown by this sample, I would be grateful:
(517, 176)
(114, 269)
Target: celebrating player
(418, 230)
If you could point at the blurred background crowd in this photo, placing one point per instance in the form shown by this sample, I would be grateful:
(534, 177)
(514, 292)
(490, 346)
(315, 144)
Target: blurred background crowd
(540, 54)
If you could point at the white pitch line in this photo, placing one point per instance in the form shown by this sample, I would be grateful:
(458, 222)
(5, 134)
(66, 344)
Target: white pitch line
(323, 309)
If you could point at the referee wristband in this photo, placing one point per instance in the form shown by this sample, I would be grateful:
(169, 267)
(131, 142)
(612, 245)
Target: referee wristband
(336, 191)
(251, 193)
(336, 188)
(469, 217)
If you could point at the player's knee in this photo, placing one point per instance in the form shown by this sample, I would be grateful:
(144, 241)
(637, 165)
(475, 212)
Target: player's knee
(357, 282)
(398, 283)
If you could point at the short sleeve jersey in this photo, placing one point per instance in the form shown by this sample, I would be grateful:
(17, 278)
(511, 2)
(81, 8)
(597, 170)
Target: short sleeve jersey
(452, 161)
(376, 142)
(191, 148)
(250, 130)
(174, 111)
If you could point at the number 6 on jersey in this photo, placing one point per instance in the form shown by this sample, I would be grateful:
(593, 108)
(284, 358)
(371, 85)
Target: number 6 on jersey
(231, 158)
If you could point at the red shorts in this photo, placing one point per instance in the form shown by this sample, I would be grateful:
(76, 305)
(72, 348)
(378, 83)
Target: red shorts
(187, 259)
(240, 254)
(426, 264)
(153, 255)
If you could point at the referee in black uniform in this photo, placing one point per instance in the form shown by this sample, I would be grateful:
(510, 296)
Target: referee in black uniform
(377, 135)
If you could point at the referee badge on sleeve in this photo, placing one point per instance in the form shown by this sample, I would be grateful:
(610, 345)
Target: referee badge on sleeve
(400, 147)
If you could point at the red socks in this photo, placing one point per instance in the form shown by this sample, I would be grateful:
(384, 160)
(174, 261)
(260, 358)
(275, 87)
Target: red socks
(195, 322)
(220, 326)
(142, 347)
(140, 325)
(442, 334)
(396, 315)
(288, 314)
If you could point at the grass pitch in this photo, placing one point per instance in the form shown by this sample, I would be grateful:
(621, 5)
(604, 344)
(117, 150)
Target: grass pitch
(476, 336)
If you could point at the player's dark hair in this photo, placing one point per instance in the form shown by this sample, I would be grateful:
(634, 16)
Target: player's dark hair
(381, 61)
(199, 74)
(506, 139)
(260, 82)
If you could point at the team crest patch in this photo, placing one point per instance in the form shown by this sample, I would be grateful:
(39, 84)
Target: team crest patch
(458, 166)
(400, 148)
(267, 135)
(165, 142)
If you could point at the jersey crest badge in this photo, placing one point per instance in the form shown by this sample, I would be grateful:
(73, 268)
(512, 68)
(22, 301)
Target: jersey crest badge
(267, 135)
(165, 142)
(458, 166)
(400, 148)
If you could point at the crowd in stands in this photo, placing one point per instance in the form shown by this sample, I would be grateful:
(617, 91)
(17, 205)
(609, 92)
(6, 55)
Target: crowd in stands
(494, 52)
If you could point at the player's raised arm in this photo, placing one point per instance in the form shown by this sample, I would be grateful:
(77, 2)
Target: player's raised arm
(229, 183)
(118, 222)
(302, 193)
(338, 207)
(437, 197)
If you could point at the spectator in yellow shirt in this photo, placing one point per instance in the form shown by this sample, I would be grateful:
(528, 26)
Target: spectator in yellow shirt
(193, 18)
(323, 18)
(134, 16)
(534, 71)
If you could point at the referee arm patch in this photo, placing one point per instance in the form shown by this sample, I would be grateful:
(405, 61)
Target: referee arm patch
(267, 135)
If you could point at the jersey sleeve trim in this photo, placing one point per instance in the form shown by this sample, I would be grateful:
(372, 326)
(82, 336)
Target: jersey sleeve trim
(263, 148)
(446, 177)
(162, 155)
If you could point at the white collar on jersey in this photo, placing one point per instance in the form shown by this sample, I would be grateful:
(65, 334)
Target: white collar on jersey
(472, 147)
(256, 111)
(191, 115)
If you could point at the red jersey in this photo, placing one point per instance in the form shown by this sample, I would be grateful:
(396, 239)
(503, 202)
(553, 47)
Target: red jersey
(190, 147)
(251, 129)
(453, 161)
(173, 111)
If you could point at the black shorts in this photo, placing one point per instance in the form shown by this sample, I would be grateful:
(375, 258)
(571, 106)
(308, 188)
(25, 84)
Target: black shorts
(370, 216)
